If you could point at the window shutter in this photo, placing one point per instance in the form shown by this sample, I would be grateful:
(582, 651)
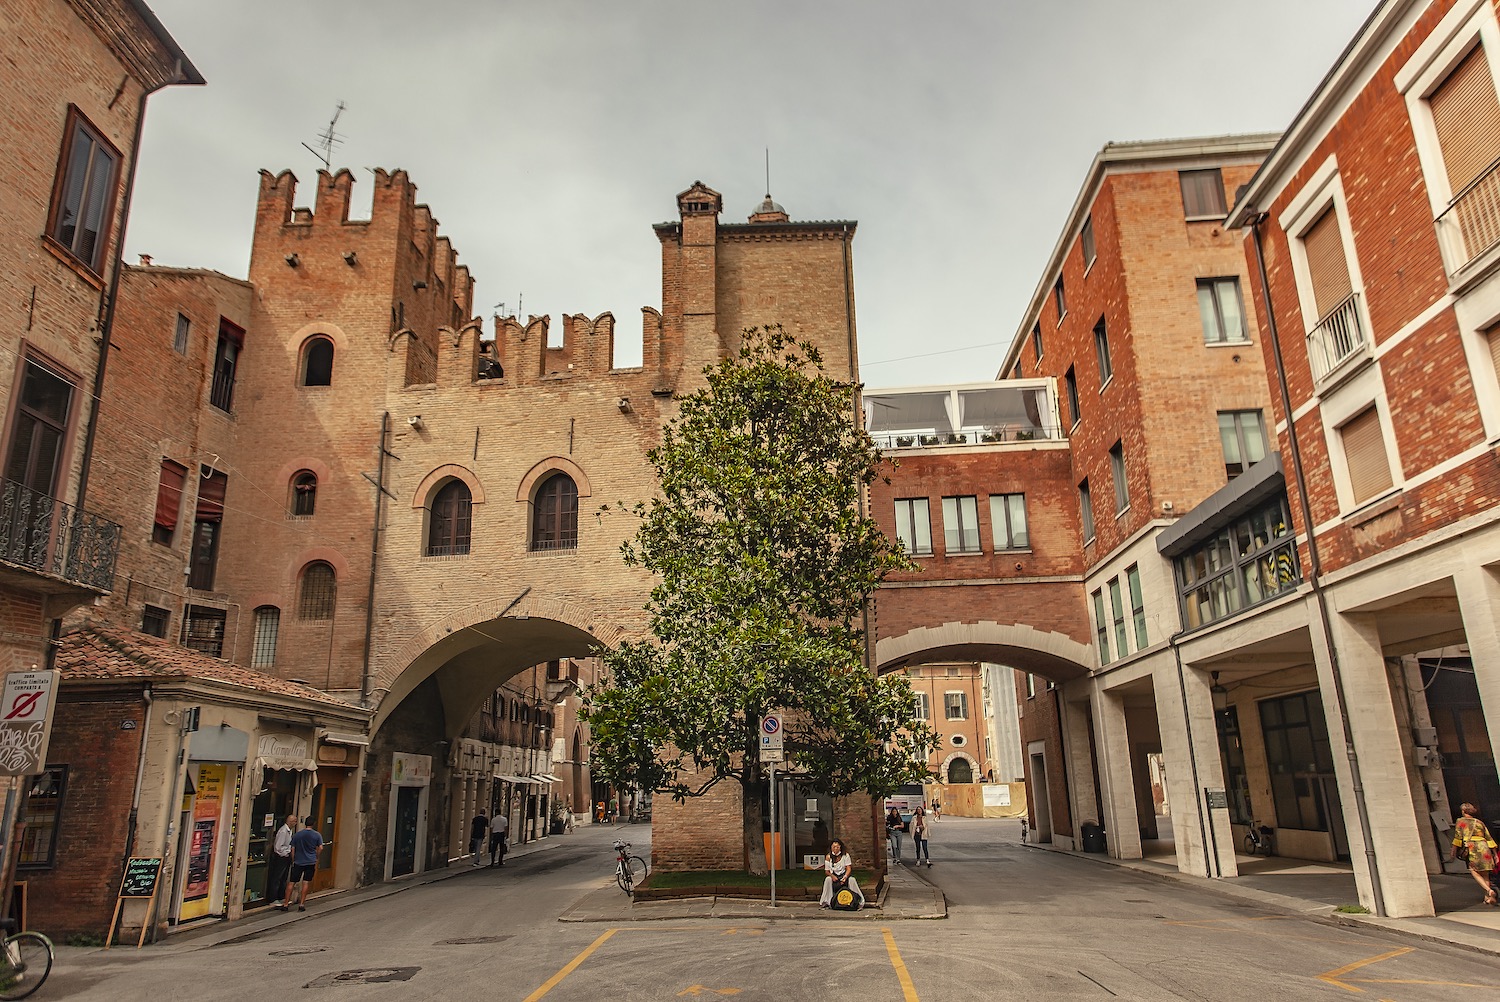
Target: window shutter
(1329, 269)
(1467, 118)
(1364, 451)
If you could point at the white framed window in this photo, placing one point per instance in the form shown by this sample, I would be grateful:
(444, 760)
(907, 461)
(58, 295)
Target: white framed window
(1030, 685)
(955, 705)
(1242, 434)
(1330, 287)
(1137, 606)
(1008, 521)
(1221, 310)
(923, 707)
(1365, 457)
(914, 526)
(1450, 84)
(961, 524)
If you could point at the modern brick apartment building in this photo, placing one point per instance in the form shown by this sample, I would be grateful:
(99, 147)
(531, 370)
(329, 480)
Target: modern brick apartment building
(79, 75)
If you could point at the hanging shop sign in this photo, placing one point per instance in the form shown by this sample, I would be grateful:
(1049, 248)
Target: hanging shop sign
(410, 770)
(284, 751)
(26, 703)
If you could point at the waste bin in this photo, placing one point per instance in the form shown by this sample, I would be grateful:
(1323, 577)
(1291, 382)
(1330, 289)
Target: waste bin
(1093, 837)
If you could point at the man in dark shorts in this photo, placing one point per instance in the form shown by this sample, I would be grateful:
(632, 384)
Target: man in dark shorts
(305, 846)
(478, 829)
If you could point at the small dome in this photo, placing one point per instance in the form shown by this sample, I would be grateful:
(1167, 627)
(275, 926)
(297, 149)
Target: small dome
(769, 206)
(769, 211)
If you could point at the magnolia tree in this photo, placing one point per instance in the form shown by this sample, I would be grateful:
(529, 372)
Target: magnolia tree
(765, 561)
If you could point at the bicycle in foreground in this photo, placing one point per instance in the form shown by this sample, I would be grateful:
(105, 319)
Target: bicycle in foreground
(628, 868)
(25, 962)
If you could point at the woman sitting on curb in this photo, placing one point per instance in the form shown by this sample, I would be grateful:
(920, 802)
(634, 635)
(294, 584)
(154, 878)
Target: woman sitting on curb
(839, 866)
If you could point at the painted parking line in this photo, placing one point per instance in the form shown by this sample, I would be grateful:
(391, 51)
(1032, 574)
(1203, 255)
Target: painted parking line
(1335, 976)
(908, 990)
(572, 966)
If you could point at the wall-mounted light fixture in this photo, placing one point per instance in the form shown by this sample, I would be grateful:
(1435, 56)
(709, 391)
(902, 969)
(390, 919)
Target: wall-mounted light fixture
(1220, 695)
(351, 258)
(624, 405)
(293, 260)
(419, 284)
(415, 421)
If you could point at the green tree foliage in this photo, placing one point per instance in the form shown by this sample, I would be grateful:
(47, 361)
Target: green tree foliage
(765, 561)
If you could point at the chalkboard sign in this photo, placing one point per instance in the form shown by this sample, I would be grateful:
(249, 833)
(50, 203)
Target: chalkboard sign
(141, 874)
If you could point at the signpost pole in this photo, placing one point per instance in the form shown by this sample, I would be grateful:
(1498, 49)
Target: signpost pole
(774, 854)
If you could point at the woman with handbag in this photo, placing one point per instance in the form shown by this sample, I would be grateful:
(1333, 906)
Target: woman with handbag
(1472, 844)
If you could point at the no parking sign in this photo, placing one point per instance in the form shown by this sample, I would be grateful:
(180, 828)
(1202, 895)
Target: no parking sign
(26, 721)
(772, 748)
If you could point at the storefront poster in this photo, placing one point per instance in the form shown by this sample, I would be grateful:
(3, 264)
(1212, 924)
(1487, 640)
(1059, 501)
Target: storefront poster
(208, 805)
(997, 796)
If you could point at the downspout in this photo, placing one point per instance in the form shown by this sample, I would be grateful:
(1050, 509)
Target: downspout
(108, 300)
(364, 682)
(1315, 572)
(1062, 742)
(140, 772)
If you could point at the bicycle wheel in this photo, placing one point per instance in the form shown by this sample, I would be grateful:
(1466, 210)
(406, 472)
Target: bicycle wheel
(623, 876)
(32, 956)
(1250, 845)
(637, 869)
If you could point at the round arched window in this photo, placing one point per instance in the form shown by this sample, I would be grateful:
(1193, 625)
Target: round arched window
(554, 514)
(451, 520)
(317, 362)
(304, 493)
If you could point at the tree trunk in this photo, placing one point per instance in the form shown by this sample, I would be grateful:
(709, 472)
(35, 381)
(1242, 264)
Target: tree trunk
(754, 826)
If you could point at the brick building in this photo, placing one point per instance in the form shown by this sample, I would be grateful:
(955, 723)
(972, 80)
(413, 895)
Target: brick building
(81, 73)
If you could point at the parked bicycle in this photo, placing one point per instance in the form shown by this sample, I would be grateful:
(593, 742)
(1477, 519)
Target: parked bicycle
(1260, 838)
(628, 869)
(25, 963)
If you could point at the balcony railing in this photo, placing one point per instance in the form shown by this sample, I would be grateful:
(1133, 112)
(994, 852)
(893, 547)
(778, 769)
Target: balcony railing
(887, 441)
(1471, 223)
(1337, 337)
(42, 534)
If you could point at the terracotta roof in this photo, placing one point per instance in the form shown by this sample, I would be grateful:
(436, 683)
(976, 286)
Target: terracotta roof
(93, 652)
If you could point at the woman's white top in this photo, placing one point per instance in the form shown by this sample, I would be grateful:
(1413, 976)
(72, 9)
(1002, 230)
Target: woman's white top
(840, 867)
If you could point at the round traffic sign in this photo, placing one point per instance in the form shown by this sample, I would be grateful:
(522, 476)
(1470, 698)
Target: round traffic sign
(770, 723)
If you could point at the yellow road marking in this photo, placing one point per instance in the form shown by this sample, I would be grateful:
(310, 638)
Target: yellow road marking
(908, 990)
(700, 989)
(1332, 977)
(556, 979)
(1417, 981)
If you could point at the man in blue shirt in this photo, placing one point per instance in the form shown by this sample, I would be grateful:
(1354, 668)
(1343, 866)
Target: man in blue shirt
(305, 846)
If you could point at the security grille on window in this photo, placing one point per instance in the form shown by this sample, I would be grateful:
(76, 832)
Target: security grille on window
(154, 620)
(267, 629)
(1008, 521)
(1202, 193)
(961, 524)
(1364, 452)
(83, 202)
(1221, 310)
(44, 801)
(450, 523)
(319, 592)
(554, 524)
(956, 705)
(1101, 348)
(1117, 474)
(1243, 437)
(1086, 510)
(169, 490)
(923, 710)
(203, 630)
(914, 526)
(1252, 560)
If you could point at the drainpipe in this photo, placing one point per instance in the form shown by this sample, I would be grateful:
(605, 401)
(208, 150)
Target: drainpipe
(364, 682)
(140, 772)
(1315, 572)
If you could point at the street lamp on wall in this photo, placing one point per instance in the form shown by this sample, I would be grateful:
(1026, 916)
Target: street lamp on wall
(1220, 695)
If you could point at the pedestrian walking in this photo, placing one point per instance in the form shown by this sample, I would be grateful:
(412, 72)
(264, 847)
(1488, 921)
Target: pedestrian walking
(614, 809)
(937, 809)
(478, 829)
(1473, 844)
(280, 861)
(894, 826)
(599, 813)
(499, 835)
(919, 831)
(306, 844)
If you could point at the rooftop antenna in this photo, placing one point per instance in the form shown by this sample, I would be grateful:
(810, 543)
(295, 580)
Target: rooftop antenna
(327, 140)
(768, 172)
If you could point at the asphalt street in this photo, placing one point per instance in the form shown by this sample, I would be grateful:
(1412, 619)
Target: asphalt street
(1023, 923)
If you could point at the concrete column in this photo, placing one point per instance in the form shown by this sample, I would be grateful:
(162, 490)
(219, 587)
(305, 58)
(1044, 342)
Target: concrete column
(1112, 739)
(1393, 837)
(1479, 606)
(1190, 750)
(1079, 765)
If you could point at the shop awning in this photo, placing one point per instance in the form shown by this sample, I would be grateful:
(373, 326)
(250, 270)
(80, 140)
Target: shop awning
(340, 738)
(546, 778)
(512, 779)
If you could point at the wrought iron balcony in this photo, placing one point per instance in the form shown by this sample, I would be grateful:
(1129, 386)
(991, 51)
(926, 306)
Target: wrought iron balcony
(41, 534)
(1338, 337)
(1471, 223)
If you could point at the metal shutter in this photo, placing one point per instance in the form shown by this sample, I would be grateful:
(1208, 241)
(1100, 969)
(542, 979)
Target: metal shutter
(1329, 269)
(1467, 118)
(1364, 451)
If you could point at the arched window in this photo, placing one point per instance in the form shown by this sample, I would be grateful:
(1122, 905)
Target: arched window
(304, 493)
(554, 514)
(317, 362)
(449, 522)
(319, 590)
(960, 771)
(267, 627)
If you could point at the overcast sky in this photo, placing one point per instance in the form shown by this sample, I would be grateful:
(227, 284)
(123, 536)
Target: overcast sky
(548, 136)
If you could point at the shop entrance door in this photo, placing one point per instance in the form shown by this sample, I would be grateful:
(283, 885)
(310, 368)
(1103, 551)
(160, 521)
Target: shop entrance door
(325, 812)
(404, 847)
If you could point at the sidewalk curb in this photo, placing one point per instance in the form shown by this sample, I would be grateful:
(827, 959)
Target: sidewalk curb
(1458, 937)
